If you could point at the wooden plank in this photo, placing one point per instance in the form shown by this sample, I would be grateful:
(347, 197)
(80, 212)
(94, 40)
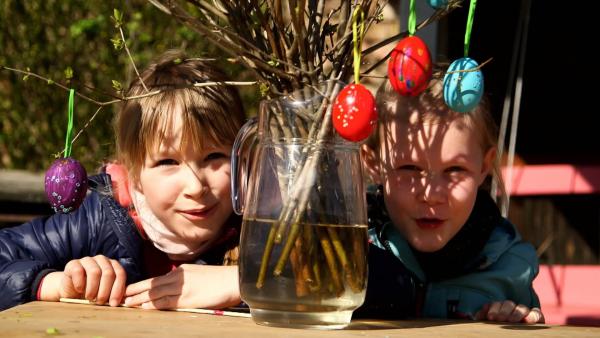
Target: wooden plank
(14, 218)
(22, 186)
(76, 320)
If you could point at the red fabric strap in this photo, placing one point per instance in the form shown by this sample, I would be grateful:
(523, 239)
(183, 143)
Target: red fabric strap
(120, 185)
(38, 294)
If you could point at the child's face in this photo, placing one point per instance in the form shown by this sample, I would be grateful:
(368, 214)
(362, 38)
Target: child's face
(430, 172)
(188, 190)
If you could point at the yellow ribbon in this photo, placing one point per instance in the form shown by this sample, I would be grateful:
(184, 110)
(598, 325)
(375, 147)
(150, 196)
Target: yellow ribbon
(357, 40)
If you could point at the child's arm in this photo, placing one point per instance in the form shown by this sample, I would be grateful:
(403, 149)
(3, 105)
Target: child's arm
(508, 311)
(188, 286)
(98, 279)
(29, 252)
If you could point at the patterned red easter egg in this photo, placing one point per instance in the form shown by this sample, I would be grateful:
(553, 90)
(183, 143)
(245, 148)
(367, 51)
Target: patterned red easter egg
(65, 184)
(354, 114)
(409, 67)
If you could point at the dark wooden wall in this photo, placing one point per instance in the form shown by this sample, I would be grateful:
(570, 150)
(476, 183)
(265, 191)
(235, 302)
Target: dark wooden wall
(565, 229)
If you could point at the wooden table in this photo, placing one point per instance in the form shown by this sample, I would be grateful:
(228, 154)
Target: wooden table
(75, 320)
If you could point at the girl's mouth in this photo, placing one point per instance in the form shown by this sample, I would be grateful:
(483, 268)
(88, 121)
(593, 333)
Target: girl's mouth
(198, 214)
(429, 223)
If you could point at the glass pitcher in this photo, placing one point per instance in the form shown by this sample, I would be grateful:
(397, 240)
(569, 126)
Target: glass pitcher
(303, 246)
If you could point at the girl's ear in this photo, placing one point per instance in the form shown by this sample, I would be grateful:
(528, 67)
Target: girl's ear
(371, 163)
(488, 163)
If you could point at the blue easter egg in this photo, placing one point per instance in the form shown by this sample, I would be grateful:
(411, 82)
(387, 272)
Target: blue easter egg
(437, 4)
(463, 90)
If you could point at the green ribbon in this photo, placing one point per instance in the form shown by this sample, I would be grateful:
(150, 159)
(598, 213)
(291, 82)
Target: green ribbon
(412, 18)
(70, 124)
(357, 40)
(469, 26)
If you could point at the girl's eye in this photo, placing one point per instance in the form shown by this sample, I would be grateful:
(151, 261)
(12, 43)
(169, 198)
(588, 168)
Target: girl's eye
(409, 167)
(455, 169)
(166, 161)
(215, 156)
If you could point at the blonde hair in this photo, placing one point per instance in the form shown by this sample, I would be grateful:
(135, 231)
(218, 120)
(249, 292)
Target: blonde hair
(431, 107)
(210, 115)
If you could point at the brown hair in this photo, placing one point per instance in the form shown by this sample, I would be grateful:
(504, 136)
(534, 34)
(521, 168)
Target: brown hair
(210, 114)
(431, 107)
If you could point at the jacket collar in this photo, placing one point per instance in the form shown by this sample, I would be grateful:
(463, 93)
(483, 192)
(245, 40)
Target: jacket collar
(395, 242)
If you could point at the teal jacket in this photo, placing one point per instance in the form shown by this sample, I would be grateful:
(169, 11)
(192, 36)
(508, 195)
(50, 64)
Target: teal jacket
(505, 270)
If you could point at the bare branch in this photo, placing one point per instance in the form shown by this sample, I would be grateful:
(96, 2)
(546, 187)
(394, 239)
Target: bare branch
(50, 82)
(248, 53)
(438, 14)
(125, 98)
(211, 9)
(474, 69)
(131, 58)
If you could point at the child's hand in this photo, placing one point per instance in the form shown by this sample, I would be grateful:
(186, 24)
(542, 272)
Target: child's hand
(508, 311)
(188, 286)
(94, 278)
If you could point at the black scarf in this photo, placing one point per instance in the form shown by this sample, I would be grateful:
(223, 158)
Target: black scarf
(458, 256)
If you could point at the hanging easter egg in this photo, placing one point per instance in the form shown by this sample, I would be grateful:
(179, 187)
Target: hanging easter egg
(409, 67)
(463, 90)
(437, 4)
(65, 184)
(354, 114)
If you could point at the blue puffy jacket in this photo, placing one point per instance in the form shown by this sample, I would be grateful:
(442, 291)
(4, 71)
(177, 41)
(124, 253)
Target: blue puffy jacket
(100, 226)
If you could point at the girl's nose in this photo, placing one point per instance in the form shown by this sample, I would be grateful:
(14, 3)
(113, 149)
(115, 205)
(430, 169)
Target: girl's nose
(195, 184)
(433, 191)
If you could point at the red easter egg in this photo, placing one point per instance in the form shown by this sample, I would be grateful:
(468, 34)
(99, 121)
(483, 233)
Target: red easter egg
(65, 184)
(409, 67)
(354, 114)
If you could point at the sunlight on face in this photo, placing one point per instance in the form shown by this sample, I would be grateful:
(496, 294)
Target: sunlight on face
(188, 189)
(430, 171)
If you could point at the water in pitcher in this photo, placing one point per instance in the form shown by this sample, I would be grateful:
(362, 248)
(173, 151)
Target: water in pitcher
(314, 276)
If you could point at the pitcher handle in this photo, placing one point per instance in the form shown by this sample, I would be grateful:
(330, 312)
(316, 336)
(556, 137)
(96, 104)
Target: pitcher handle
(239, 164)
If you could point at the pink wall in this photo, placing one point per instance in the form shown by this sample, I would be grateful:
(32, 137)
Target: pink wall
(551, 179)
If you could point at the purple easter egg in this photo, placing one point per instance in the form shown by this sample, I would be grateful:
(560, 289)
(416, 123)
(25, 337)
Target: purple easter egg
(66, 184)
